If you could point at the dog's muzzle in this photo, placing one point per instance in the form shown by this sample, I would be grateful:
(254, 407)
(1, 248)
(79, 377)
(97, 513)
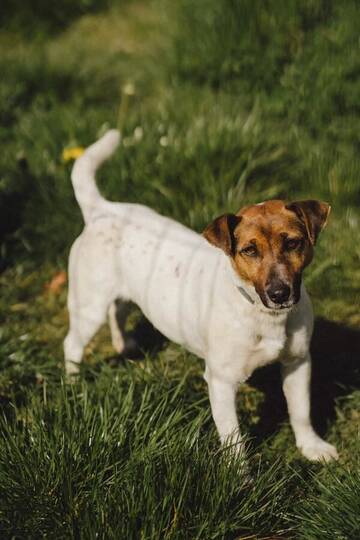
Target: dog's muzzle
(280, 295)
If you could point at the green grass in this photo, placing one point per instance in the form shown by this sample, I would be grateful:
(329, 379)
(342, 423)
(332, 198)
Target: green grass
(237, 102)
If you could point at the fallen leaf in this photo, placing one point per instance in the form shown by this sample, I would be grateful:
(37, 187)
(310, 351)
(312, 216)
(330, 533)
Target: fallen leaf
(57, 282)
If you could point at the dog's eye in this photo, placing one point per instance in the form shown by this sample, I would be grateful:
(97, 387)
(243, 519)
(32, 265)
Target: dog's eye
(249, 251)
(293, 243)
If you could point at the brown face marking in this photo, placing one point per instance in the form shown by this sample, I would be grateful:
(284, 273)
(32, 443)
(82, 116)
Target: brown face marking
(270, 244)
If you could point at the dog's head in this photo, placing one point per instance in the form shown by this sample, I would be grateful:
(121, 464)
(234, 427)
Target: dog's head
(270, 244)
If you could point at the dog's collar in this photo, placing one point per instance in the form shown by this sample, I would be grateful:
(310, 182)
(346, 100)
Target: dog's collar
(245, 294)
(238, 284)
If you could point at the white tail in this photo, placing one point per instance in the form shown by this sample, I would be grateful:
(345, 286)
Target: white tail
(84, 170)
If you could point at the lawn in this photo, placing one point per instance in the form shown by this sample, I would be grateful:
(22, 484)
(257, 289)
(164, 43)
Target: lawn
(221, 104)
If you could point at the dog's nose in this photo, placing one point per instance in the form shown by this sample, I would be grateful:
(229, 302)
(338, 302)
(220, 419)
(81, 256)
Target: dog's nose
(278, 292)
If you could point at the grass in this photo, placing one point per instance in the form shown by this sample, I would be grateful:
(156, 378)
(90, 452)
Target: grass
(233, 104)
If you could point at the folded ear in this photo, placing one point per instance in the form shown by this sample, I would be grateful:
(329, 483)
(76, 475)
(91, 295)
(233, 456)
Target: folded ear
(314, 215)
(220, 232)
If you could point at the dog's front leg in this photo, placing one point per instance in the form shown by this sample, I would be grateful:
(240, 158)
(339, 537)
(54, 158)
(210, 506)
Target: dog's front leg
(223, 407)
(296, 386)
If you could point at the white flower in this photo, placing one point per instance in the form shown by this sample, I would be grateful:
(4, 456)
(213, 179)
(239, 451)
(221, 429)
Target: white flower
(164, 141)
(138, 133)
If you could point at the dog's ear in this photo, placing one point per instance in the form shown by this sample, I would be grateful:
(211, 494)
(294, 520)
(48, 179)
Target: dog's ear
(314, 215)
(220, 232)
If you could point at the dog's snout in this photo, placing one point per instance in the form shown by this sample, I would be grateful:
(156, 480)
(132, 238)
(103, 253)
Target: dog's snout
(278, 292)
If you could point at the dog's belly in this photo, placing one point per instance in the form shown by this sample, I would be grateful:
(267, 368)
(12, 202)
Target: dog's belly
(170, 275)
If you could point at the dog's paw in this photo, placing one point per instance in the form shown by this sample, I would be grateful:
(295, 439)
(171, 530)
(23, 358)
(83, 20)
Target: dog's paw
(318, 450)
(71, 370)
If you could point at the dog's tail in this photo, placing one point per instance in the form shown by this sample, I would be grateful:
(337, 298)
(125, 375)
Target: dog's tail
(84, 170)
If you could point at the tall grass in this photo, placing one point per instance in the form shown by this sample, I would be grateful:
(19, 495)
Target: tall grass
(129, 456)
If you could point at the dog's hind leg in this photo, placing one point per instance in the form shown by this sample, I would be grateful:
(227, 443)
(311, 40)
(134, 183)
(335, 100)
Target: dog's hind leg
(84, 323)
(118, 313)
(116, 334)
(89, 297)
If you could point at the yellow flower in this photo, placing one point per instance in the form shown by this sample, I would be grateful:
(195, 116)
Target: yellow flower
(129, 89)
(72, 153)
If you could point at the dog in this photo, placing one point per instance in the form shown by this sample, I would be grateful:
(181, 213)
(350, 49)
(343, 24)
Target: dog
(233, 295)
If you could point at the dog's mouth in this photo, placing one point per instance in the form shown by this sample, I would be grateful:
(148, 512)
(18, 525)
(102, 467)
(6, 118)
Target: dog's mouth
(278, 307)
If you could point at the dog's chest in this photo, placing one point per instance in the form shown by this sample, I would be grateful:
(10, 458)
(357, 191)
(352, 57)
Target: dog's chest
(267, 344)
(268, 349)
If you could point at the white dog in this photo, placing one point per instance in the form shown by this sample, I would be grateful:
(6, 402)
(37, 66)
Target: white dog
(232, 296)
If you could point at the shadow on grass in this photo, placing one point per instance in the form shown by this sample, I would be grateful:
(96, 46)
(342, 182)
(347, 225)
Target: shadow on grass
(335, 352)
